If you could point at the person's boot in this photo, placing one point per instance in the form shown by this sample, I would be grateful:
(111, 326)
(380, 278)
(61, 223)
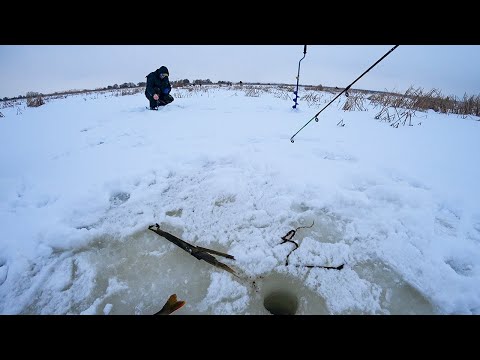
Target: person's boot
(153, 105)
(168, 99)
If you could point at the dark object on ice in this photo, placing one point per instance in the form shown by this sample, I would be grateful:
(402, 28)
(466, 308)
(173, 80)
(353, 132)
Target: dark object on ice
(199, 252)
(324, 267)
(281, 302)
(171, 305)
(298, 77)
(288, 238)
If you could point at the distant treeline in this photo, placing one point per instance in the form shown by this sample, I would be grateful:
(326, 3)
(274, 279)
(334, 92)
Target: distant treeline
(413, 100)
(129, 85)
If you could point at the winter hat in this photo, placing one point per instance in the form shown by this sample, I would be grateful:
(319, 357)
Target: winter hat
(163, 70)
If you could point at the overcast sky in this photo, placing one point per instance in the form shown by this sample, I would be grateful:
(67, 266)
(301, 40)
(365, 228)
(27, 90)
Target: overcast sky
(453, 69)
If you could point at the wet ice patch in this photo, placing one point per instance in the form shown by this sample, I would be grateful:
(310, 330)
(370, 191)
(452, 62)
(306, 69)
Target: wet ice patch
(345, 292)
(135, 275)
(68, 288)
(398, 297)
(114, 286)
(224, 296)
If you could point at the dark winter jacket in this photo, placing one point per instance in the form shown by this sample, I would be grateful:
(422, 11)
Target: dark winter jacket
(155, 85)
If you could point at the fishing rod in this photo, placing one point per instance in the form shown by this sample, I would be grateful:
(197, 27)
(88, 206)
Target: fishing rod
(298, 76)
(344, 91)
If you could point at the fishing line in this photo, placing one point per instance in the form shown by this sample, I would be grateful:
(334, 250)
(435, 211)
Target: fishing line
(343, 91)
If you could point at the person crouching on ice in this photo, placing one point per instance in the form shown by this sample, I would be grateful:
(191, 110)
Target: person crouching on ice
(158, 88)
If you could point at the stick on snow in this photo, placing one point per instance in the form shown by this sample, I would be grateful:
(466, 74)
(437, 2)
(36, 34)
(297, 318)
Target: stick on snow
(198, 252)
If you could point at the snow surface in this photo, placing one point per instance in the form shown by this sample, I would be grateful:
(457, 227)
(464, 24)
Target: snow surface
(82, 178)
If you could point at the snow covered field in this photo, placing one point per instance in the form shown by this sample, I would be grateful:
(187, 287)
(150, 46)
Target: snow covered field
(82, 178)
